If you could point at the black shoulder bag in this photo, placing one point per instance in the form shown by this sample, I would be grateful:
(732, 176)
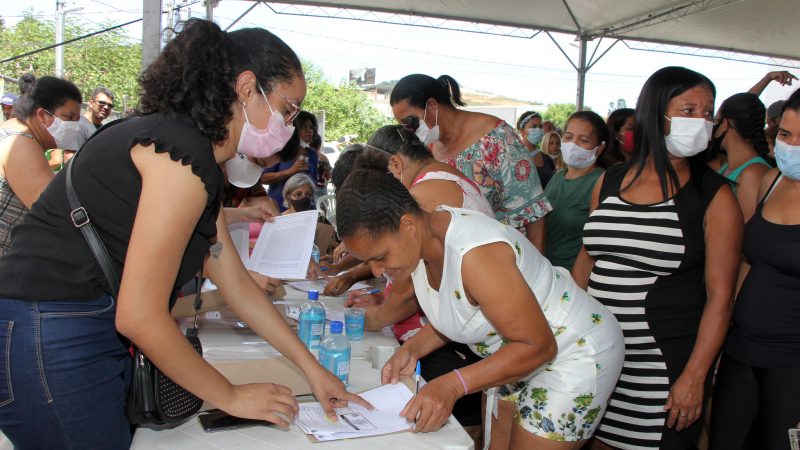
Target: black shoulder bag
(153, 398)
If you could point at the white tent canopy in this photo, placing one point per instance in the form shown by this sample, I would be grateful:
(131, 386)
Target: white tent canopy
(767, 28)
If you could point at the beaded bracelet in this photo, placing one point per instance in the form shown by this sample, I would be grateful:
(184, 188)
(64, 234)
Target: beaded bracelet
(463, 383)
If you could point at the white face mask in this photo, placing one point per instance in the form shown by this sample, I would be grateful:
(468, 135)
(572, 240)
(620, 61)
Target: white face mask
(688, 136)
(578, 157)
(428, 135)
(242, 172)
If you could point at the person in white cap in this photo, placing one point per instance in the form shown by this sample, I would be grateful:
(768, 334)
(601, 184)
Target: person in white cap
(7, 101)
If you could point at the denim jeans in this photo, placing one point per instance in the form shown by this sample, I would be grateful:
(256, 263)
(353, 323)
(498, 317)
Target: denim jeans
(62, 375)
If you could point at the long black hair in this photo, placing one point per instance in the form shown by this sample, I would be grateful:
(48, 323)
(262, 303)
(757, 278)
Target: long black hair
(48, 93)
(746, 114)
(195, 74)
(372, 202)
(292, 147)
(615, 122)
(648, 135)
(416, 89)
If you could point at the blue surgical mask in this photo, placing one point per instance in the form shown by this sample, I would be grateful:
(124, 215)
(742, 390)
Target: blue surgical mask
(534, 135)
(788, 159)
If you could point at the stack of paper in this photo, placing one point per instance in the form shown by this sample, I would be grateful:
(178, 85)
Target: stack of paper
(356, 421)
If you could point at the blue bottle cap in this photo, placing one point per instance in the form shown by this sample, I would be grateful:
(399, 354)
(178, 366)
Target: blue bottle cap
(313, 295)
(336, 327)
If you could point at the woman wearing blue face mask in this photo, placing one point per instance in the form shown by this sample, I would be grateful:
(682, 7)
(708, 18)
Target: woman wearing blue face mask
(152, 187)
(24, 172)
(529, 126)
(484, 148)
(570, 190)
(758, 384)
(661, 250)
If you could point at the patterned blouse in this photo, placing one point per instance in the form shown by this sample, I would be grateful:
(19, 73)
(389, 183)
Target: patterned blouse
(501, 166)
(11, 207)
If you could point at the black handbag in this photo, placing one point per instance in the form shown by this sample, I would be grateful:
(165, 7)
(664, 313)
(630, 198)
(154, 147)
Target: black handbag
(153, 398)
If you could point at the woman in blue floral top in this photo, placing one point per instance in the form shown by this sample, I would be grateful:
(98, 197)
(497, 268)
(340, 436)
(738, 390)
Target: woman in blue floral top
(483, 147)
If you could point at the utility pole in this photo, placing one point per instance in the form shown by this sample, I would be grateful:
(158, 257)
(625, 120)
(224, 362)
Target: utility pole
(60, 37)
(61, 13)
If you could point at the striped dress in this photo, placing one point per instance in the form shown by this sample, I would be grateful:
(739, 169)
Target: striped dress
(649, 272)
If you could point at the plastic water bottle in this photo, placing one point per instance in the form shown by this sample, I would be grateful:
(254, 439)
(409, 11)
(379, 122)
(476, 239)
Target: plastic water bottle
(334, 353)
(315, 253)
(312, 323)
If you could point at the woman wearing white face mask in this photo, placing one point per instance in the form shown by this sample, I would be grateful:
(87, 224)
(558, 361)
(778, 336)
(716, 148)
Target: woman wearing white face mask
(484, 148)
(152, 187)
(529, 126)
(757, 385)
(661, 250)
(570, 190)
(24, 172)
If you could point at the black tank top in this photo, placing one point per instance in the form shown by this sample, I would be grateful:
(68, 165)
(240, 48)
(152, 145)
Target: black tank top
(49, 259)
(766, 318)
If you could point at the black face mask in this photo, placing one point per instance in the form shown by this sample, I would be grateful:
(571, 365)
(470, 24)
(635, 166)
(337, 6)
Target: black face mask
(304, 204)
(716, 142)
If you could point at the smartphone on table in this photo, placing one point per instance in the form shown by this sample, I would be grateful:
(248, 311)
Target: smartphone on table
(216, 420)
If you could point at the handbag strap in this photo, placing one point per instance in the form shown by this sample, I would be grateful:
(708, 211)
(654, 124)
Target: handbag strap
(80, 219)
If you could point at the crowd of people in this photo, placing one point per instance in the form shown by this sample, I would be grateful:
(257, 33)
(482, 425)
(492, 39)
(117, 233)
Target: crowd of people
(628, 282)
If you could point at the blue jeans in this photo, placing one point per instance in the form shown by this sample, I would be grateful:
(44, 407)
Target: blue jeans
(62, 375)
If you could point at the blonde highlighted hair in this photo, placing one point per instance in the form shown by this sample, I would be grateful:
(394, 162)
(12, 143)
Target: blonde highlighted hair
(548, 137)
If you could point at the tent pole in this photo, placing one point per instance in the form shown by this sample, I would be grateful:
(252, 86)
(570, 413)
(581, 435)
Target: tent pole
(582, 68)
(151, 31)
(210, 5)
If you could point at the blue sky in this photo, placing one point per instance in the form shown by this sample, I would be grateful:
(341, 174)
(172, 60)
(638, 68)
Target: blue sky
(528, 69)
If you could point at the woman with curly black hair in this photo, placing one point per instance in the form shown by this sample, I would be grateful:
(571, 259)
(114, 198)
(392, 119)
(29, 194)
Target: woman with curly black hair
(152, 188)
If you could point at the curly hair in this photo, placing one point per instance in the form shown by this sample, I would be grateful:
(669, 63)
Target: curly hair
(47, 93)
(195, 74)
(375, 210)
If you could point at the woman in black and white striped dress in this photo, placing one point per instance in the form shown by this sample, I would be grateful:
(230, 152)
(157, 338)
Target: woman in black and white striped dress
(661, 251)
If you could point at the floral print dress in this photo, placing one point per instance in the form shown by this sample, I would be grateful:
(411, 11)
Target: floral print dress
(564, 399)
(501, 166)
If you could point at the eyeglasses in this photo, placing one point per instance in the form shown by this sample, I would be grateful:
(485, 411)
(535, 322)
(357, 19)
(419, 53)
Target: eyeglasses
(104, 104)
(294, 108)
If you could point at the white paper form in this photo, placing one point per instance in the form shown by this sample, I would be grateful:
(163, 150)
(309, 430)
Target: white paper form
(283, 249)
(240, 234)
(357, 421)
(319, 285)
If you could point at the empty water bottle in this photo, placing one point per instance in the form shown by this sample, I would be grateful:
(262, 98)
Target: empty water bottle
(312, 323)
(334, 353)
(315, 253)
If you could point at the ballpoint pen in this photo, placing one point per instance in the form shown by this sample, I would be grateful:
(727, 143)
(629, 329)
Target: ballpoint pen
(371, 291)
(417, 376)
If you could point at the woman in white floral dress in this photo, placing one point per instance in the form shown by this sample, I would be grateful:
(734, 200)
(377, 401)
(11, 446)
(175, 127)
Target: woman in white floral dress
(548, 345)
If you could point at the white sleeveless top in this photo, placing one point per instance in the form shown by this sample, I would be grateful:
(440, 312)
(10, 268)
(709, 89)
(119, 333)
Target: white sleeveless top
(473, 198)
(567, 308)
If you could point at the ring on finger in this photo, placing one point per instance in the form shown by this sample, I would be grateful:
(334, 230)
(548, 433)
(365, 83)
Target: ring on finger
(683, 414)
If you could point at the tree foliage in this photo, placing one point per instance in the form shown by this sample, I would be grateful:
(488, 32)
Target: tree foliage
(347, 110)
(109, 59)
(558, 113)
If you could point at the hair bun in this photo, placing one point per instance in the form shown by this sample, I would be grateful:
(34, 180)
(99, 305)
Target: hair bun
(27, 83)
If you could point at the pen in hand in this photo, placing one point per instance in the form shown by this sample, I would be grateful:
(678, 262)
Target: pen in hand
(417, 376)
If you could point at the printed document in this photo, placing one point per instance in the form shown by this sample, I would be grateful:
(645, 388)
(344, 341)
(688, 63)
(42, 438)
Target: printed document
(283, 249)
(356, 421)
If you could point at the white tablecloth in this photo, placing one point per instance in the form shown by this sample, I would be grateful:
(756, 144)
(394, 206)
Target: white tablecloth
(223, 341)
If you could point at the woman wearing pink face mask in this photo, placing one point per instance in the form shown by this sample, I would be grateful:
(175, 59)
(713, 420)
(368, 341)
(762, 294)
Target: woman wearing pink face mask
(152, 187)
(620, 127)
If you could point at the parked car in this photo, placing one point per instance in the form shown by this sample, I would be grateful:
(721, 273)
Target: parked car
(331, 151)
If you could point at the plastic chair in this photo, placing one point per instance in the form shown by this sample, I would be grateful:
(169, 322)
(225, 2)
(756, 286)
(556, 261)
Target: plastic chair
(326, 205)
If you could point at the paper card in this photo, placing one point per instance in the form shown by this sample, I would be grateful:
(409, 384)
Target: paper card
(273, 370)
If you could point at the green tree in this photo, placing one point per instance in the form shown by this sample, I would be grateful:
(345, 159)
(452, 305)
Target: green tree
(347, 110)
(558, 113)
(109, 59)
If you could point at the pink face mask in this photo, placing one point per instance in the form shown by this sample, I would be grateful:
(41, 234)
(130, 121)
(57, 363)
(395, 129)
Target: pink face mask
(262, 143)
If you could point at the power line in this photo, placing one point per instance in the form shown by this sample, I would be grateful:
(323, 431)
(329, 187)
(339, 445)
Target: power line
(49, 47)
